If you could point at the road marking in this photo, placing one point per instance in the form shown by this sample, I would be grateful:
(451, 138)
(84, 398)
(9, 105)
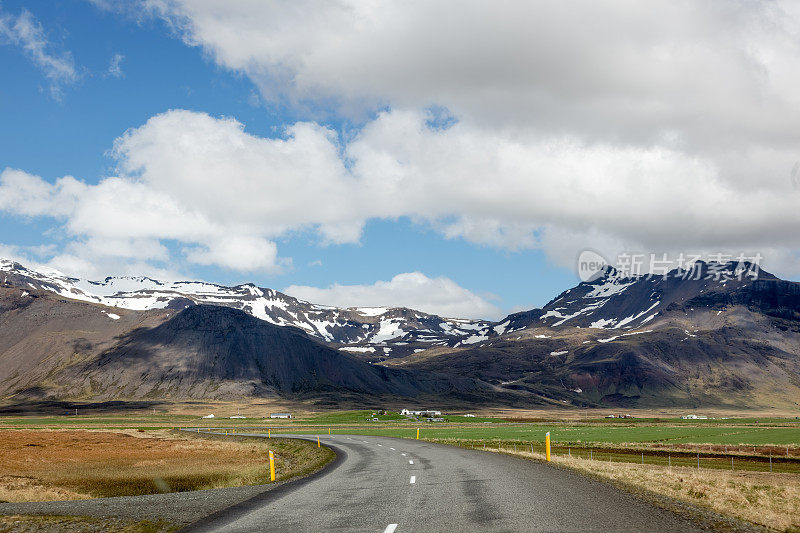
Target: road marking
(380, 444)
(403, 454)
(410, 462)
(413, 479)
(391, 449)
(390, 528)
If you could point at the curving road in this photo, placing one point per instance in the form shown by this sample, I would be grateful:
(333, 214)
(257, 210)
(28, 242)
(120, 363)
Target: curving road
(383, 485)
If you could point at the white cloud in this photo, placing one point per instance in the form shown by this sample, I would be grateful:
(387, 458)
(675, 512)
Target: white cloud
(659, 126)
(115, 66)
(700, 74)
(227, 195)
(26, 32)
(440, 296)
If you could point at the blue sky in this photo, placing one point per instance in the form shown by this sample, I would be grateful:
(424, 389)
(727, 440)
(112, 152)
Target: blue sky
(319, 130)
(70, 135)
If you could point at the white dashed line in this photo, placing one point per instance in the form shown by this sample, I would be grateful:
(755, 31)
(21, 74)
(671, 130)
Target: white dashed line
(413, 479)
(391, 449)
(410, 462)
(390, 528)
(403, 454)
(380, 444)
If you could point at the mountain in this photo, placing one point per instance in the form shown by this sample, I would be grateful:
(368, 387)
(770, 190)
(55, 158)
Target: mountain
(720, 339)
(374, 333)
(712, 336)
(211, 351)
(66, 349)
(616, 301)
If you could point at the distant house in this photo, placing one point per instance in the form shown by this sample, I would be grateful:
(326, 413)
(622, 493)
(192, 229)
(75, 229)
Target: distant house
(281, 415)
(209, 416)
(435, 419)
(468, 415)
(422, 412)
(694, 417)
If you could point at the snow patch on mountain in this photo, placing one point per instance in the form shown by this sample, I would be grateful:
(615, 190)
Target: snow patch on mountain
(368, 326)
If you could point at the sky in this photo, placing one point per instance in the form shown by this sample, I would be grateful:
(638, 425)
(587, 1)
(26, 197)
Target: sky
(454, 156)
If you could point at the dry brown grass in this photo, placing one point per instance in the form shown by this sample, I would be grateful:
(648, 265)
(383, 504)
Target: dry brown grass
(769, 500)
(40, 465)
(79, 524)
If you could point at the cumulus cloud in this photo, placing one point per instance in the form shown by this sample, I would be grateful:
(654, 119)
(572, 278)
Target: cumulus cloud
(659, 127)
(440, 296)
(26, 32)
(706, 73)
(228, 195)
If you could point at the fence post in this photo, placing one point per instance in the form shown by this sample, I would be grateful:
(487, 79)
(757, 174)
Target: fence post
(698, 460)
(271, 466)
(669, 460)
(642, 457)
(547, 445)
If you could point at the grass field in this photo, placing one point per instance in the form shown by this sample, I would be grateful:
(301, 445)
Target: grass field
(37, 465)
(602, 433)
(768, 500)
(749, 467)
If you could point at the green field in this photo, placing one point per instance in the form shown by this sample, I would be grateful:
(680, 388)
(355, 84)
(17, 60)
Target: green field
(757, 436)
(649, 432)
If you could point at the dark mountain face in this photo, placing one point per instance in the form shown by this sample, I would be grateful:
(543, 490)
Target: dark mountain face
(613, 301)
(674, 341)
(646, 342)
(220, 352)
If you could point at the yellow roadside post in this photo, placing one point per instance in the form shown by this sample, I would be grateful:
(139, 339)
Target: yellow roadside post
(271, 466)
(269, 434)
(329, 431)
(318, 446)
(226, 432)
(417, 433)
(547, 445)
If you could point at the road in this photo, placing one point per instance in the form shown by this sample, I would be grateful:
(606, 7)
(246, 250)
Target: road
(389, 485)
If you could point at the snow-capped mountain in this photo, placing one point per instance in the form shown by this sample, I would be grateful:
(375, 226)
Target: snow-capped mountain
(373, 332)
(707, 337)
(616, 301)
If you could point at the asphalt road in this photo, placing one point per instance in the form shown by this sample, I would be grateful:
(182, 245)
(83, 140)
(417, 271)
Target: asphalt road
(382, 484)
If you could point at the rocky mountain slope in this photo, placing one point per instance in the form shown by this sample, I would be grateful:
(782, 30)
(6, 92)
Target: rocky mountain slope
(709, 338)
(646, 342)
(56, 348)
(374, 333)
